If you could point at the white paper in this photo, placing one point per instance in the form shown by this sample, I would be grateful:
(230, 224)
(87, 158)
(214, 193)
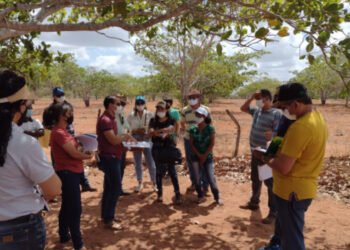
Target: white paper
(265, 172)
(89, 142)
(139, 144)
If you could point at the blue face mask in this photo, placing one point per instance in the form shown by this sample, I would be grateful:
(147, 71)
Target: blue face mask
(29, 113)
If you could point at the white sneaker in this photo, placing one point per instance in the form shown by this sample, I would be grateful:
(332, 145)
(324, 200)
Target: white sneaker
(139, 188)
(155, 189)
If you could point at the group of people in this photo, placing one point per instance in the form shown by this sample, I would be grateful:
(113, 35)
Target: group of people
(27, 178)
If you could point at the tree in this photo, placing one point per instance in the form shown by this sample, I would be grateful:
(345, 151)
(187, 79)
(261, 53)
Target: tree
(242, 22)
(264, 83)
(321, 80)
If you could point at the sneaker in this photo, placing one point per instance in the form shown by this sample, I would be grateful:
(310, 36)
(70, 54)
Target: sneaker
(271, 247)
(112, 226)
(88, 189)
(219, 202)
(249, 206)
(155, 189)
(200, 200)
(269, 219)
(159, 198)
(139, 188)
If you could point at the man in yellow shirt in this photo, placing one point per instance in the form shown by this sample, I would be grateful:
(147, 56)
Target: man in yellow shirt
(296, 166)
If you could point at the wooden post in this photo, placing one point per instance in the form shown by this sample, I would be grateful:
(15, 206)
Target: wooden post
(233, 118)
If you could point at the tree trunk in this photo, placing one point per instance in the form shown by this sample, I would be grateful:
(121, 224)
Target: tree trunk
(86, 101)
(323, 97)
(347, 101)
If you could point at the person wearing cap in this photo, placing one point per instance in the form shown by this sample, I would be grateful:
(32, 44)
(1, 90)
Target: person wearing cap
(188, 119)
(202, 140)
(26, 176)
(58, 96)
(138, 121)
(123, 128)
(110, 153)
(174, 114)
(30, 126)
(161, 128)
(264, 127)
(69, 167)
(297, 165)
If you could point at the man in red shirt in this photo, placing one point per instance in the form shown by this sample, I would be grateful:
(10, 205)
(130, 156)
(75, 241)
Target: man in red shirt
(110, 153)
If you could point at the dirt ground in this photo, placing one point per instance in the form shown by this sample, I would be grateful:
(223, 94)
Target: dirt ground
(150, 225)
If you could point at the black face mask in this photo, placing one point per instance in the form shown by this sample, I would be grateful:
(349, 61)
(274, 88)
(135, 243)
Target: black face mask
(70, 120)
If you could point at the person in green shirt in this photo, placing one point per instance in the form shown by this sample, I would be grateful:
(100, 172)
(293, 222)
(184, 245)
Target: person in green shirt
(202, 140)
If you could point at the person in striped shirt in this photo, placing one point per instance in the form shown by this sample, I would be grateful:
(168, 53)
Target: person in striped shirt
(264, 127)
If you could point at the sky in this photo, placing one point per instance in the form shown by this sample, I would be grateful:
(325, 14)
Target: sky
(96, 50)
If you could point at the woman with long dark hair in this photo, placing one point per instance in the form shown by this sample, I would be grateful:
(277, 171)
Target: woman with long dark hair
(25, 173)
(69, 167)
(162, 129)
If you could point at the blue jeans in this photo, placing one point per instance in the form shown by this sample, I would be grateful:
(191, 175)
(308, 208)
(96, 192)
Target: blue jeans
(257, 184)
(111, 187)
(25, 234)
(189, 156)
(207, 171)
(290, 222)
(147, 152)
(69, 216)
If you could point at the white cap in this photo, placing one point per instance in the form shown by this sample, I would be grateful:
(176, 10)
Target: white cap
(202, 111)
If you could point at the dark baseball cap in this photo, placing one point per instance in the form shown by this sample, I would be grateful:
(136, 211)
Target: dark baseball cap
(57, 91)
(292, 91)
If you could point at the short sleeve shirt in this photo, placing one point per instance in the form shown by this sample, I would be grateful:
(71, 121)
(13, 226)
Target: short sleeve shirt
(107, 122)
(63, 161)
(305, 141)
(189, 117)
(166, 139)
(26, 165)
(135, 121)
(202, 139)
(32, 126)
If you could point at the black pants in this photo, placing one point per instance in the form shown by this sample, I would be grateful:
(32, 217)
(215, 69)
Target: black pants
(256, 187)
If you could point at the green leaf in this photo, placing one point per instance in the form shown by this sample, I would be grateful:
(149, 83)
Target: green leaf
(302, 57)
(226, 35)
(324, 36)
(331, 7)
(261, 33)
(219, 49)
(311, 59)
(310, 46)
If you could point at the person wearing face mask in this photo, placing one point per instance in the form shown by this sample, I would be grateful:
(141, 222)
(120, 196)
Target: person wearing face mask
(202, 140)
(58, 96)
(296, 166)
(188, 119)
(24, 170)
(138, 121)
(265, 121)
(30, 126)
(69, 167)
(123, 128)
(162, 127)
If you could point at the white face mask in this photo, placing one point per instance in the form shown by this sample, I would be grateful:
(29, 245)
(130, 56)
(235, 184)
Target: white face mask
(140, 107)
(288, 115)
(193, 102)
(120, 109)
(161, 114)
(60, 99)
(259, 103)
(200, 120)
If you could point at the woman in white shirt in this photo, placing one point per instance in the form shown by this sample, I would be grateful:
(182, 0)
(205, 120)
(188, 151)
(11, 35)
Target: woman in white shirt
(138, 121)
(24, 171)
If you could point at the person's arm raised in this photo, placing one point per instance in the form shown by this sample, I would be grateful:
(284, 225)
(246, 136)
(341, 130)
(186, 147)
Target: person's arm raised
(246, 104)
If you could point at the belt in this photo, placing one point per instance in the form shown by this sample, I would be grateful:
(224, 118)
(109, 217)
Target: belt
(21, 219)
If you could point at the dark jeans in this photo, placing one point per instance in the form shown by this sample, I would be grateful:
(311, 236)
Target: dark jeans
(25, 234)
(208, 171)
(289, 223)
(161, 170)
(189, 156)
(69, 216)
(111, 187)
(256, 187)
(122, 168)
